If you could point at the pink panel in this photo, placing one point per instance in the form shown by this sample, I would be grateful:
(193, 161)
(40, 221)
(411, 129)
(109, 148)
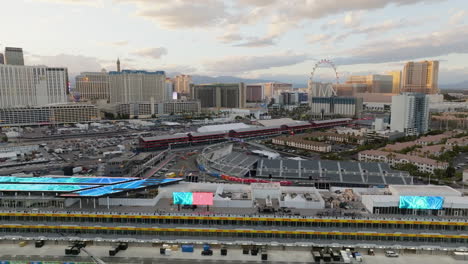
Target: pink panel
(200, 198)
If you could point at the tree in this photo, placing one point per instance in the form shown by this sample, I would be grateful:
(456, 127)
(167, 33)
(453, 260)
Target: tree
(450, 172)
(4, 139)
(109, 116)
(439, 173)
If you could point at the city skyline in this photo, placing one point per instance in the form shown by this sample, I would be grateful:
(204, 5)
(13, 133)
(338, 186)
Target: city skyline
(247, 38)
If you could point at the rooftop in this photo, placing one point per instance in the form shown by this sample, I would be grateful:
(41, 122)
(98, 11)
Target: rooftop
(399, 156)
(433, 149)
(223, 127)
(423, 190)
(78, 186)
(434, 138)
(457, 140)
(276, 122)
(398, 146)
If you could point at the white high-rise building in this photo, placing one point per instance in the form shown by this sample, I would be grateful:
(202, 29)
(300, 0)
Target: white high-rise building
(32, 85)
(130, 86)
(93, 86)
(169, 89)
(410, 113)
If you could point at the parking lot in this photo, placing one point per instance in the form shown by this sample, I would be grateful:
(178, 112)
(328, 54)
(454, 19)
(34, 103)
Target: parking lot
(88, 146)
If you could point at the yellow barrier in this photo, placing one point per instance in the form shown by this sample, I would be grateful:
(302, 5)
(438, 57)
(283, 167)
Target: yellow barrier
(253, 219)
(214, 230)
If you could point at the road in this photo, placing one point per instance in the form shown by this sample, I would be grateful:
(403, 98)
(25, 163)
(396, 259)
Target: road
(163, 163)
(145, 254)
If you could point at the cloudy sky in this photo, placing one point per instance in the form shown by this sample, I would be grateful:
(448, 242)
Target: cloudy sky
(272, 39)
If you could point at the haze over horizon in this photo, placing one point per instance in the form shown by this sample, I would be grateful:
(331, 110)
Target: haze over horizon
(258, 39)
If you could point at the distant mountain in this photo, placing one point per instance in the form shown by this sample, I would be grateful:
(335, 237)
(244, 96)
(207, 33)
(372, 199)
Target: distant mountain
(461, 85)
(201, 79)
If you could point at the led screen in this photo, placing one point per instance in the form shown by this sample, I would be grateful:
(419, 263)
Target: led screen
(196, 198)
(421, 202)
(42, 187)
(203, 198)
(182, 198)
(64, 180)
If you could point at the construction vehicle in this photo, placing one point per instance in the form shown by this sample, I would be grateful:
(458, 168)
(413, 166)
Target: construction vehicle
(170, 175)
(182, 171)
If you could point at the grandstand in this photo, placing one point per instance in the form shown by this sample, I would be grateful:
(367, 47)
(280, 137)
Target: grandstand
(238, 163)
(335, 172)
(235, 163)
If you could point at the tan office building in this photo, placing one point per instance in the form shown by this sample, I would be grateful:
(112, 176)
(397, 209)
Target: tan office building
(375, 83)
(421, 77)
(396, 81)
(182, 83)
(273, 88)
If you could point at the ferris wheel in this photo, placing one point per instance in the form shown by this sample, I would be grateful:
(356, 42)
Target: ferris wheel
(319, 88)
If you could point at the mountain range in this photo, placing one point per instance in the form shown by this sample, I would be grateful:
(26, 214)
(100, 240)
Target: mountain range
(200, 79)
(461, 85)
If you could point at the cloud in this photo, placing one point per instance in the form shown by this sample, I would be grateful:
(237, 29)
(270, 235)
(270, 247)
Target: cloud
(181, 13)
(281, 16)
(383, 27)
(257, 42)
(74, 63)
(95, 3)
(256, 2)
(319, 39)
(230, 38)
(306, 9)
(330, 24)
(457, 17)
(353, 19)
(154, 53)
(231, 35)
(242, 64)
(435, 44)
(115, 43)
(182, 69)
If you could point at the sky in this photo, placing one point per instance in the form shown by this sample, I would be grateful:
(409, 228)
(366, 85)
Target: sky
(269, 39)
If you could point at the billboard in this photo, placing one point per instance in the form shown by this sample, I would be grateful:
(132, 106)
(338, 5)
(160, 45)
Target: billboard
(421, 202)
(189, 198)
(182, 198)
(203, 198)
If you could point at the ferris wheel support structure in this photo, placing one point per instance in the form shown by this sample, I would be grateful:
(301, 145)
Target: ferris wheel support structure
(323, 89)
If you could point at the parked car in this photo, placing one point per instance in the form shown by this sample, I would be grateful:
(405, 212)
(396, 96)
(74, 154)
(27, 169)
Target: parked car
(391, 254)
